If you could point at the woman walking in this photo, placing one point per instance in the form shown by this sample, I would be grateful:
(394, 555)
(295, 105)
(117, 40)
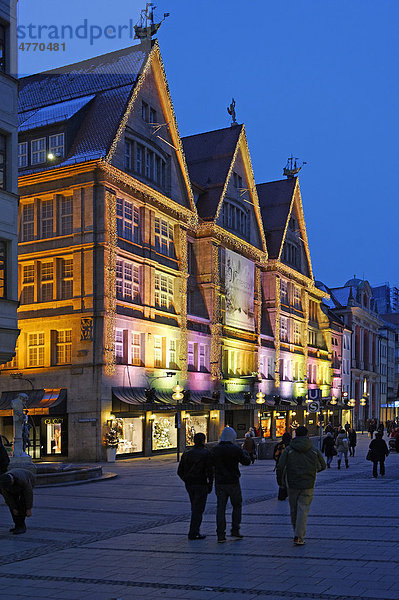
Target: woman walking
(379, 451)
(250, 446)
(342, 446)
(328, 448)
(352, 441)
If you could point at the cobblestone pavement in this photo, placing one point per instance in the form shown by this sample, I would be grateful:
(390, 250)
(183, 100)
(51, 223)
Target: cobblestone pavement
(126, 539)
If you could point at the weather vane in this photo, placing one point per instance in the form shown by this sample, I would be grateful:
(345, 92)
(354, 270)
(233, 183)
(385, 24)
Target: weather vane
(291, 168)
(232, 111)
(147, 28)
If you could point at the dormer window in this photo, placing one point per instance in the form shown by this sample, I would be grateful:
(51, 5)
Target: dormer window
(23, 154)
(237, 181)
(143, 161)
(56, 145)
(235, 218)
(38, 151)
(148, 113)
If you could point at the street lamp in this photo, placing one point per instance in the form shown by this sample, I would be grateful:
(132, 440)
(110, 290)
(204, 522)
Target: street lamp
(260, 399)
(178, 396)
(21, 377)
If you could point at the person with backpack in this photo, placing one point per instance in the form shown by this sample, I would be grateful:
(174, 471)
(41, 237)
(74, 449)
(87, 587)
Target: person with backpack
(195, 469)
(342, 446)
(298, 466)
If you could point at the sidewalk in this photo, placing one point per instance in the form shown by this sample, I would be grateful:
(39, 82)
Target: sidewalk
(126, 539)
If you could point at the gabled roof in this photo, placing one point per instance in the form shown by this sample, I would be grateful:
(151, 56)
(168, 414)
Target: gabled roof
(108, 81)
(209, 156)
(275, 200)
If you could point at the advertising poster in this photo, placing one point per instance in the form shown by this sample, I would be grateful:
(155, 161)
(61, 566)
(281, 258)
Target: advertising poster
(239, 285)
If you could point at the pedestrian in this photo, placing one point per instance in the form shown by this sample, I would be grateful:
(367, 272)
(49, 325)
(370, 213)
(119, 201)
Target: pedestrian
(328, 448)
(17, 489)
(347, 427)
(298, 466)
(195, 469)
(226, 456)
(379, 451)
(380, 428)
(352, 437)
(4, 460)
(278, 450)
(250, 446)
(329, 428)
(342, 446)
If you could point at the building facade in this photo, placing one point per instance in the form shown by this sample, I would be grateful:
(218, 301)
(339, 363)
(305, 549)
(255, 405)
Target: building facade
(8, 180)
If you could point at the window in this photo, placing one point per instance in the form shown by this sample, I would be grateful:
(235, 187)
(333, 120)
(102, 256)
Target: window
(284, 292)
(284, 329)
(297, 297)
(312, 310)
(235, 218)
(149, 164)
(270, 367)
(139, 159)
(46, 219)
(297, 333)
(3, 161)
(66, 290)
(164, 237)
(28, 222)
(118, 345)
(63, 347)
(312, 338)
(136, 349)
(128, 220)
(237, 181)
(46, 283)
(35, 350)
(190, 356)
(3, 270)
(66, 215)
(153, 116)
(128, 156)
(202, 364)
(127, 281)
(157, 351)
(38, 151)
(145, 111)
(23, 154)
(290, 254)
(3, 54)
(163, 291)
(171, 355)
(28, 284)
(56, 145)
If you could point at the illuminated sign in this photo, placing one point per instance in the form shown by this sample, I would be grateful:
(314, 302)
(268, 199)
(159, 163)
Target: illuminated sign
(54, 421)
(239, 286)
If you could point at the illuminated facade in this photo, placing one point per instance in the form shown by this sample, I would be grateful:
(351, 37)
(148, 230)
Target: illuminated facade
(147, 262)
(8, 180)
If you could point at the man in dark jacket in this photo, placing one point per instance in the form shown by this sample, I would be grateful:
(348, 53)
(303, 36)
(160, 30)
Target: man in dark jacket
(195, 469)
(379, 451)
(226, 456)
(17, 489)
(298, 466)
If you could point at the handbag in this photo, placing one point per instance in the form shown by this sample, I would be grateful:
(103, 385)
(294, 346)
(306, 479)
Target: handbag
(369, 455)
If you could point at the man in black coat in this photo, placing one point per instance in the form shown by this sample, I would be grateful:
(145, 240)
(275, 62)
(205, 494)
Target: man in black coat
(226, 456)
(17, 489)
(379, 451)
(195, 469)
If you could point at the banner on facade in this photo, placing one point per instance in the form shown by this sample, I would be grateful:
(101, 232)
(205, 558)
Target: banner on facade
(239, 286)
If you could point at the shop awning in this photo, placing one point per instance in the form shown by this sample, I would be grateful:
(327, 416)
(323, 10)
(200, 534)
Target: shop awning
(38, 402)
(130, 395)
(234, 398)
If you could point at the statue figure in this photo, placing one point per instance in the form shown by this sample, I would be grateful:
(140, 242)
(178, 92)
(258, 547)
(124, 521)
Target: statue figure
(25, 432)
(17, 405)
(232, 111)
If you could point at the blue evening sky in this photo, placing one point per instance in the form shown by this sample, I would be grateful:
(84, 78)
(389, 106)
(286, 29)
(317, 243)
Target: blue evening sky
(315, 78)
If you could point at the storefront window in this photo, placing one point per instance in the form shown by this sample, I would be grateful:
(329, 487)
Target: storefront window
(266, 422)
(164, 432)
(53, 438)
(195, 424)
(280, 425)
(130, 435)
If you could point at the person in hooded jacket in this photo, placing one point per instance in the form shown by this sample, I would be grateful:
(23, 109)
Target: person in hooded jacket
(342, 445)
(298, 466)
(226, 456)
(328, 448)
(379, 451)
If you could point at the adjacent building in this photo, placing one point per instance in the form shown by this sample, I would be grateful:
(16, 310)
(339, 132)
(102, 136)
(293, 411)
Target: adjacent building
(8, 180)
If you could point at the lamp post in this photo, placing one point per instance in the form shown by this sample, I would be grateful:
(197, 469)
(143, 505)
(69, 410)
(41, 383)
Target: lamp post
(260, 400)
(178, 395)
(363, 402)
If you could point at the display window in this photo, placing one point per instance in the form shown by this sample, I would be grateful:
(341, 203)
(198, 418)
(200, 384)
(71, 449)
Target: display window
(53, 438)
(195, 424)
(164, 432)
(130, 433)
(280, 425)
(266, 423)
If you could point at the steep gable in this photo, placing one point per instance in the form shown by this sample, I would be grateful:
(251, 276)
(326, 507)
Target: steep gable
(284, 224)
(149, 127)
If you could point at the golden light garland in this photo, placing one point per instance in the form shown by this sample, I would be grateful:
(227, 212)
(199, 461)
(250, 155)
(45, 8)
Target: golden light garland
(183, 303)
(258, 321)
(216, 327)
(110, 281)
(306, 340)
